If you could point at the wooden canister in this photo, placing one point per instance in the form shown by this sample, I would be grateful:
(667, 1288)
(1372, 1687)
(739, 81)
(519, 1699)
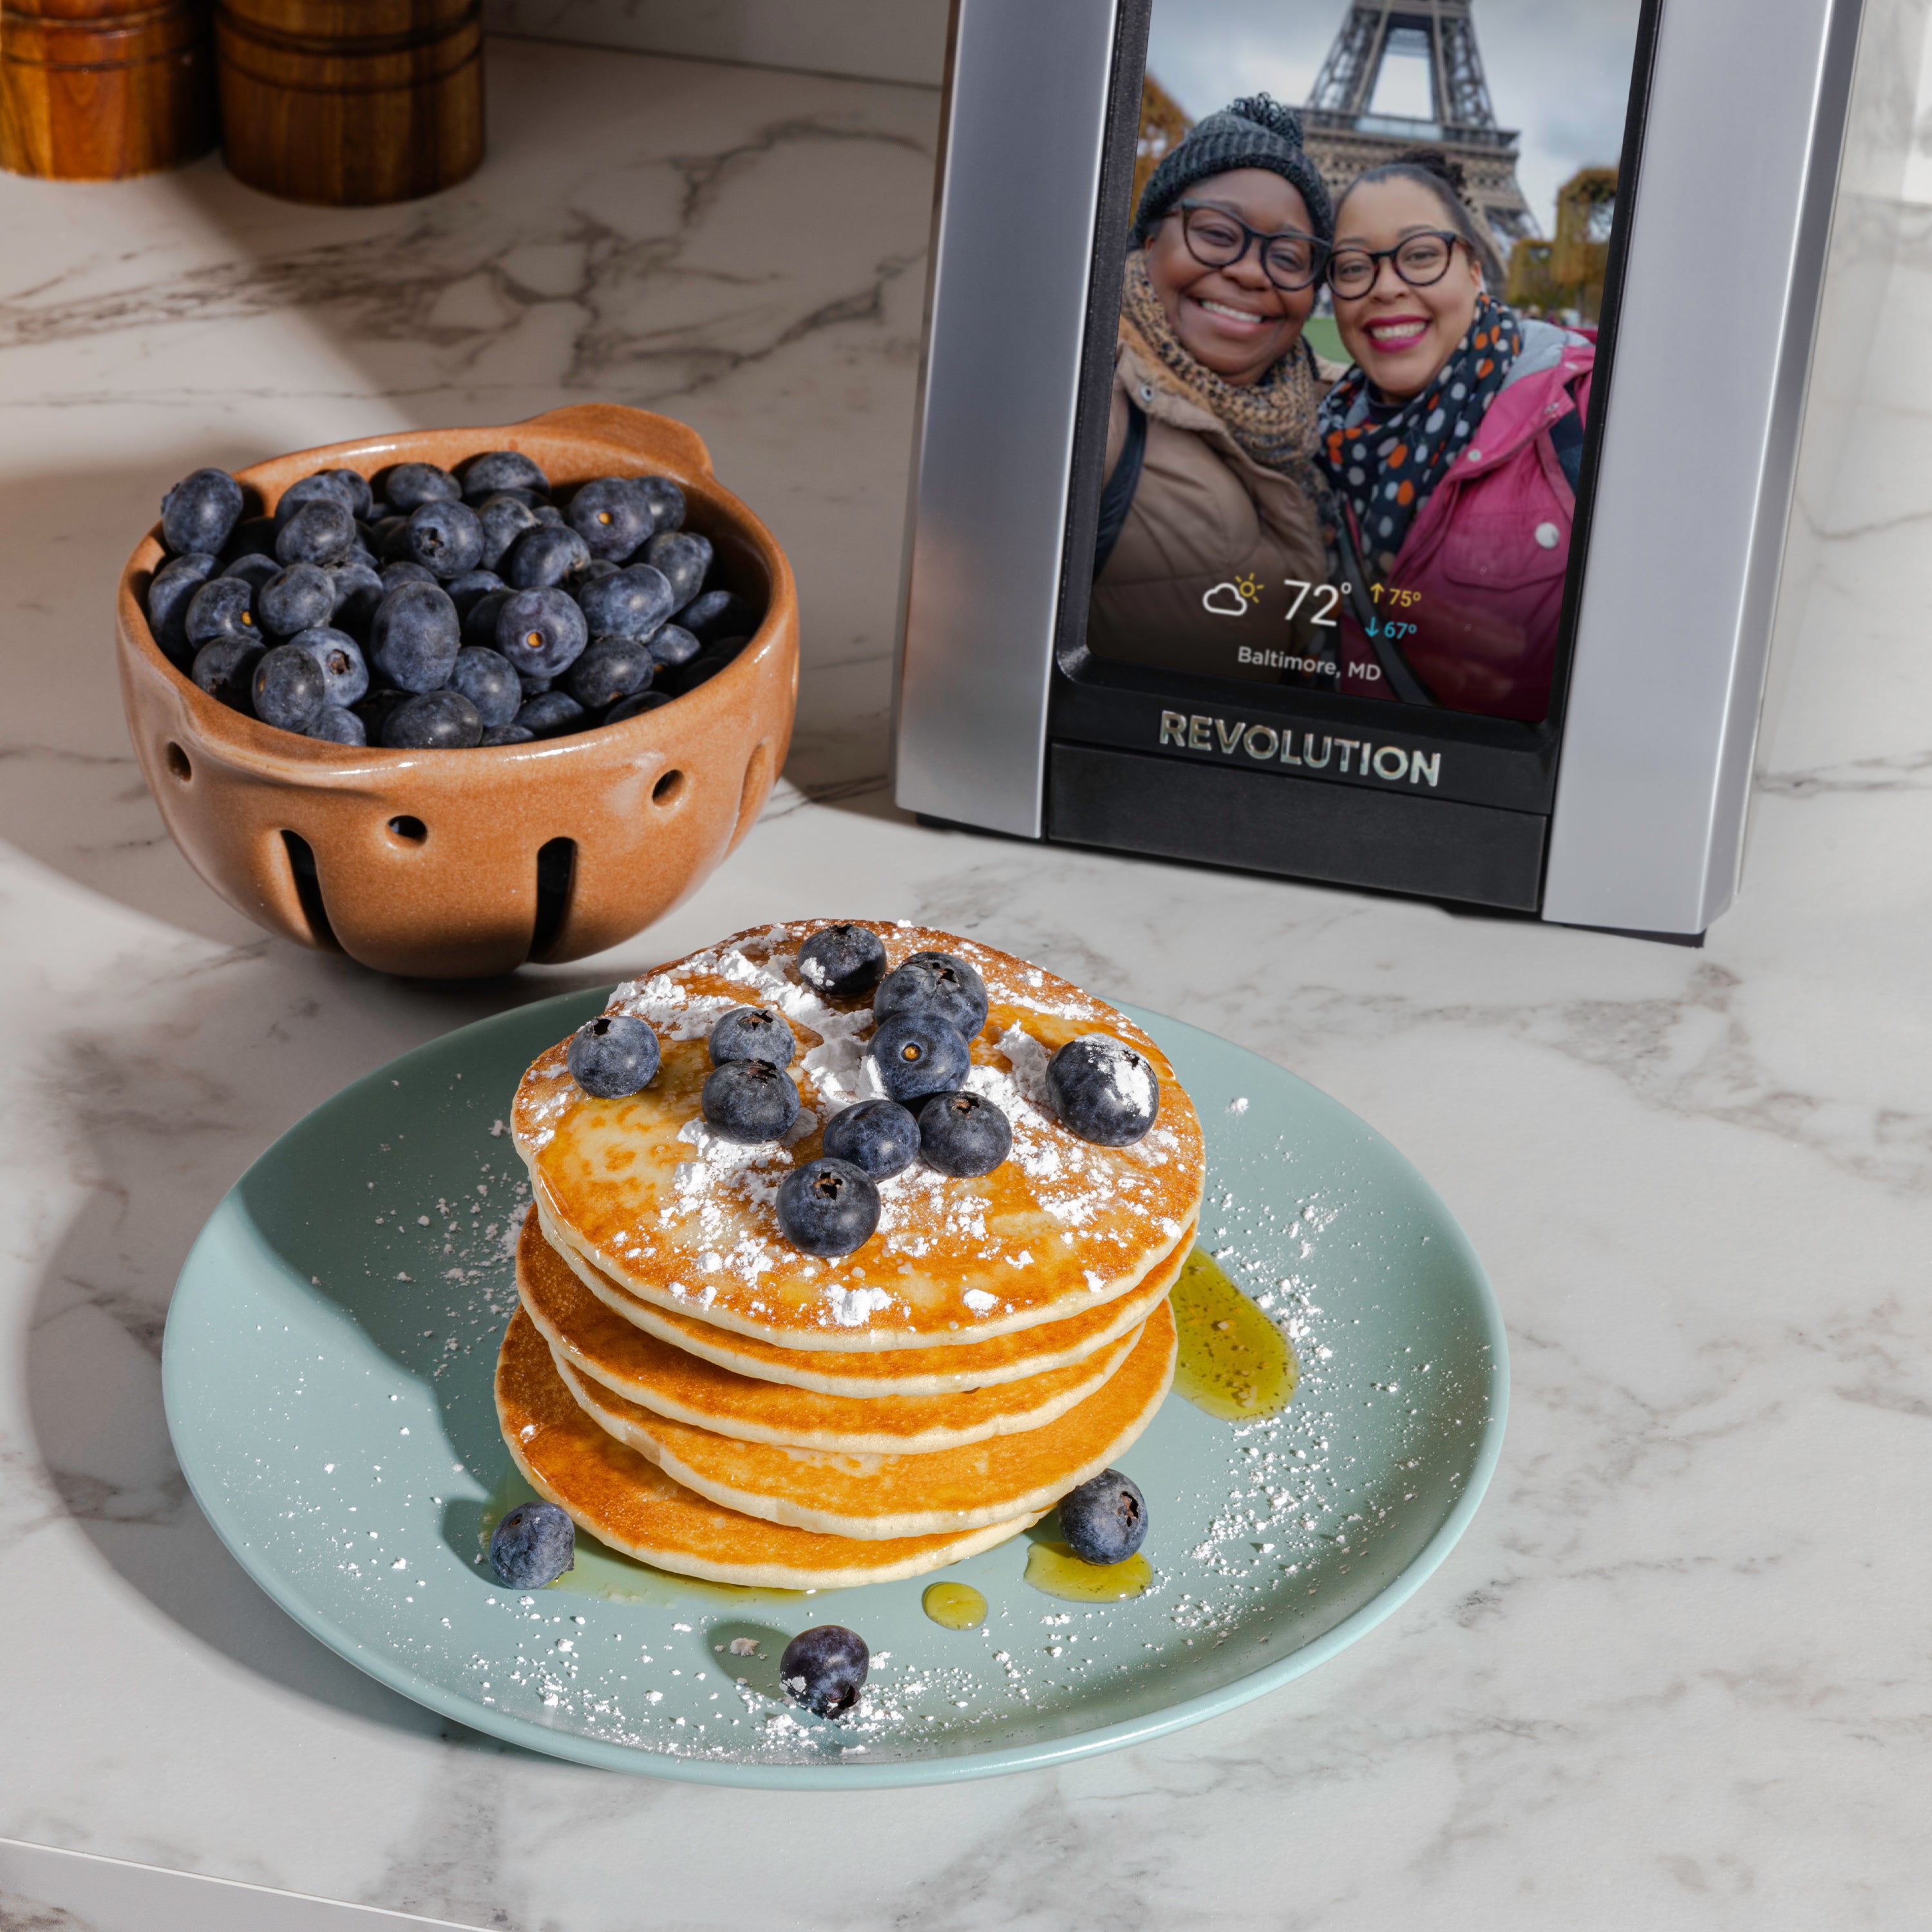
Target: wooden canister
(351, 102)
(92, 90)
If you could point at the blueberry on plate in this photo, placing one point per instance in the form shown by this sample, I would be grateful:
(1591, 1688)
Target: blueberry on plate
(1104, 1519)
(253, 569)
(684, 557)
(288, 688)
(254, 536)
(321, 532)
(170, 591)
(334, 724)
(632, 602)
(635, 707)
(828, 1208)
(552, 714)
(497, 470)
(504, 519)
(535, 1544)
(612, 515)
(672, 645)
(825, 1668)
(433, 720)
(479, 621)
(345, 676)
(934, 982)
(918, 1054)
(612, 668)
(409, 485)
(545, 555)
(666, 499)
(506, 734)
(470, 590)
(613, 1056)
(358, 590)
(445, 538)
(964, 1134)
(414, 637)
(200, 512)
(749, 1100)
(845, 961)
(1102, 1090)
(879, 1136)
(225, 669)
(752, 1033)
(224, 607)
(486, 679)
(299, 597)
(542, 631)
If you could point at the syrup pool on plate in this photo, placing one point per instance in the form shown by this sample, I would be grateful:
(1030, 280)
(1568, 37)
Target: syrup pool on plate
(1233, 1362)
(957, 1606)
(1053, 1570)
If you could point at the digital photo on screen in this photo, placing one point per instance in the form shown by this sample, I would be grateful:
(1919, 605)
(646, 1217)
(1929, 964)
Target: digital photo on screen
(1358, 344)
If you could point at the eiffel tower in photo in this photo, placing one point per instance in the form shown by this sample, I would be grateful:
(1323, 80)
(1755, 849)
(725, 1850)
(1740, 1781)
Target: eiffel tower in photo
(1345, 137)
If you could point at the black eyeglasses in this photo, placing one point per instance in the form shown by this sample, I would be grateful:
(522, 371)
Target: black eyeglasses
(1216, 239)
(1421, 260)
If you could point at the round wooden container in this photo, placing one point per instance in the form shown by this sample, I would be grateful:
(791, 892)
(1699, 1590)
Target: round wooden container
(462, 864)
(93, 90)
(351, 102)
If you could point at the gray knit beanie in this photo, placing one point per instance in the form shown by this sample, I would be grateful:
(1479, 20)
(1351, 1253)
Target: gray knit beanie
(1254, 132)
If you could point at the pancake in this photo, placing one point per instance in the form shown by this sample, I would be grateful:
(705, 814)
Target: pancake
(685, 1220)
(890, 1372)
(624, 1501)
(878, 1497)
(606, 1349)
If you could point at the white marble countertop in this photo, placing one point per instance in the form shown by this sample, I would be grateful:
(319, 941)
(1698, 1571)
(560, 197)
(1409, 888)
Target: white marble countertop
(1676, 1674)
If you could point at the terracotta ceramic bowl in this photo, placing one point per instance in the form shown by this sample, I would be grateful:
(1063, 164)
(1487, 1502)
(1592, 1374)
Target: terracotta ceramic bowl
(455, 865)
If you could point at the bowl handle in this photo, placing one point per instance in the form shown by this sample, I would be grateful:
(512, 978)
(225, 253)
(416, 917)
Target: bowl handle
(655, 436)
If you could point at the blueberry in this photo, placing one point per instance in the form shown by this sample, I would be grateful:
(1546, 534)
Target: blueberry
(964, 1134)
(535, 1544)
(1104, 1519)
(433, 721)
(320, 531)
(636, 707)
(345, 487)
(479, 621)
(485, 678)
(504, 519)
(552, 714)
(630, 603)
(719, 613)
(828, 1208)
(546, 554)
(297, 597)
(824, 1669)
(358, 590)
(407, 571)
(752, 1033)
(534, 687)
(467, 591)
(547, 513)
(542, 631)
(254, 569)
(672, 646)
(254, 536)
(616, 668)
(497, 470)
(749, 1100)
(414, 637)
(918, 1054)
(358, 499)
(390, 538)
(665, 498)
(376, 710)
(684, 557)
(612, 516)
(934, 982)
(845, 961)
(225, 669)
(200, 512)
(335, 725)
(703, 668)
(410, 485)
(288, 688)
(444, 538)
(879, 1136)
(506, 734)
(614, 1055)
(345, 676)
(169, 593)
(1102, 1090)
(224, 607)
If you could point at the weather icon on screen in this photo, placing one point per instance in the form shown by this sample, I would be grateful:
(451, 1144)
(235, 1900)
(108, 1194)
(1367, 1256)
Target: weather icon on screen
(1232, 600)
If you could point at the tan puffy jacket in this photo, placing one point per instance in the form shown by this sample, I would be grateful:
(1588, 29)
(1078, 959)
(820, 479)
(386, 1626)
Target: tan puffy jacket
(1205, 514)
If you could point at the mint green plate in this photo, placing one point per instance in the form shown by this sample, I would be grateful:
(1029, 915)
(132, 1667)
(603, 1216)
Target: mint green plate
(328, 1371)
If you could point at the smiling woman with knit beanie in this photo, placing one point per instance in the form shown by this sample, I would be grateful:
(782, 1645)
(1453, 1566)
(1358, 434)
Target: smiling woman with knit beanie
(1210, 442)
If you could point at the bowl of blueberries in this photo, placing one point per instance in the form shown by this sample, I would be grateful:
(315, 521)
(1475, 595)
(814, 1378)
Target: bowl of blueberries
(450, 700)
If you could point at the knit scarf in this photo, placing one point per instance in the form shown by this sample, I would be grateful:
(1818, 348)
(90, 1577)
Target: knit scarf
(1272, 420)
(1384, 466)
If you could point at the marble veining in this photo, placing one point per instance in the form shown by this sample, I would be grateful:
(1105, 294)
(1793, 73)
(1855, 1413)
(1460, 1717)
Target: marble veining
(1676, 1675)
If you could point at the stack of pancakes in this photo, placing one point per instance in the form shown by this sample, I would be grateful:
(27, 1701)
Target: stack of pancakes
(698, 1393)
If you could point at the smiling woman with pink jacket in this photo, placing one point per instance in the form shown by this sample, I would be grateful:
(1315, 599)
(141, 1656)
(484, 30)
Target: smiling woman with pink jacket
(1453, 447)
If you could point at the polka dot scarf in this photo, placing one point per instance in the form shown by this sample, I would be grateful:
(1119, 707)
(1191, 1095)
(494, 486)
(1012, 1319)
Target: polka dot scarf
(1383, 465)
